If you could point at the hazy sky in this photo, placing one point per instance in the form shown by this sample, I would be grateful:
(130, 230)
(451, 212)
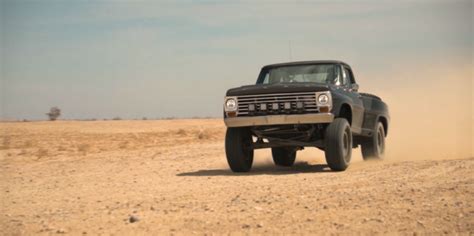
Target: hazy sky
(101, 59)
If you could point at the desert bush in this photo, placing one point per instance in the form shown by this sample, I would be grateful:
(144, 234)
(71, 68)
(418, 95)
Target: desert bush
(123, 145)
(203, 134)
(116, 118)
(22, 152)
(28, 144)
(181, 132)
(41, 153)
(83, 148)
(5, 143)
(54, 113)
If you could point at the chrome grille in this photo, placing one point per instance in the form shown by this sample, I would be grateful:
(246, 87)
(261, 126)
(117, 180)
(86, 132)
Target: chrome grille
(308, 100)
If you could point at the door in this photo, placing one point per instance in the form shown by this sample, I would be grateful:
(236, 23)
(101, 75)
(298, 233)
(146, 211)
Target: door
(357, 104)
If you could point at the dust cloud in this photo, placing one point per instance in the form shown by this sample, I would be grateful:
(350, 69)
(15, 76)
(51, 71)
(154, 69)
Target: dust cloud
(431, 114)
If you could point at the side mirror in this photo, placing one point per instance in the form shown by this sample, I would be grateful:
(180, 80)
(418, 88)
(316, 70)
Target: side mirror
(354, 87)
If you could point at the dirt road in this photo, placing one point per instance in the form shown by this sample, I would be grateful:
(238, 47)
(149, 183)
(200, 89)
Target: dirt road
(170, 176)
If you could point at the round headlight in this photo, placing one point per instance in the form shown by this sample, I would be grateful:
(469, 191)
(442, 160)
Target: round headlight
(231, 104)
(323, 99)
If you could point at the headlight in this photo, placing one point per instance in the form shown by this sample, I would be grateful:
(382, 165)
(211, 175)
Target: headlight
(230, 104)
(323, 99)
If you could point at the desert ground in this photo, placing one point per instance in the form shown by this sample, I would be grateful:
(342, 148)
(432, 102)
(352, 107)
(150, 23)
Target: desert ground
(171, 177)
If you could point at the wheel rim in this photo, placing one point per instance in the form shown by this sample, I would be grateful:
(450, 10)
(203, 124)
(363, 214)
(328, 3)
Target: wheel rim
(380, 142)
(345, 142)
(346, 145)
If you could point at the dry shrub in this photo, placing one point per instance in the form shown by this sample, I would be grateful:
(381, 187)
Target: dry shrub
(41, 153)
(123, 145)
(5, 143)
(28, 144)
(203, 134)
(181, 132)
(83, 148)
(22, 152)
(61, 148)
(136, 136)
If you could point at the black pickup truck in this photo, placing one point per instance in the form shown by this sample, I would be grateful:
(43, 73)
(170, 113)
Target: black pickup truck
(304, 104)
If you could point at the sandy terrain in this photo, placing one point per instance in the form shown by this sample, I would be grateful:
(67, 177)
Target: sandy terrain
(81, 177)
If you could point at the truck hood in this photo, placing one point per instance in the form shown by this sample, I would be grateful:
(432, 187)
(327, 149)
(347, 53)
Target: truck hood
(276, 88)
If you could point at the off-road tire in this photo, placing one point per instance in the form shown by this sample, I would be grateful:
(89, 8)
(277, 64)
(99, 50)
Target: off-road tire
(338, 144)
(374, 147)
(283, 156)
(238, 149)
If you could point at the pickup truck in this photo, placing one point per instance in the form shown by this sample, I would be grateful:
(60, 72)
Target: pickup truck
(303, 104)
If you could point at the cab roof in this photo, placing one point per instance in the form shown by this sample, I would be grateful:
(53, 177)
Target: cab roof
(296, 63)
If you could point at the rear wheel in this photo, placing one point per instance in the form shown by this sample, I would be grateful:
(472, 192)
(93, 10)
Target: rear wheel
(284, 156)
(374, 147)
(338, 144)
(238, 149)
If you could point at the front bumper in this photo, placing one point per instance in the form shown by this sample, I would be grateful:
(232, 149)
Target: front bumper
(279, 120)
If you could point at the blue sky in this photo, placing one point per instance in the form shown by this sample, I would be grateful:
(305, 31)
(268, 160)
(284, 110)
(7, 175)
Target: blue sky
(101, 59)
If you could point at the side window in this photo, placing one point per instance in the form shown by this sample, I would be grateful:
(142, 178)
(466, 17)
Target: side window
(265, 80)
(347, 77)
(343, 77)
(337, 76)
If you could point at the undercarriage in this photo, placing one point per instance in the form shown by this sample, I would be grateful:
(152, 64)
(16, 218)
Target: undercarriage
(297, 136)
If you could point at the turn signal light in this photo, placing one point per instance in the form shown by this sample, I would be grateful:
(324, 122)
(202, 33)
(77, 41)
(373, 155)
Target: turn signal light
(231, 114)
(324, 109)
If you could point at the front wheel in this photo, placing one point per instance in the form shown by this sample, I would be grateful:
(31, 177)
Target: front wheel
(374, 147)
(283, 156)
(238, 149)
(338, 144)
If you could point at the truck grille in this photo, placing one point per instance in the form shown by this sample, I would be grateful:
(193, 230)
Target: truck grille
(286, 103)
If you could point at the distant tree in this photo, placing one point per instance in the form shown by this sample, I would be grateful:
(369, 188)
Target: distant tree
(54, 113)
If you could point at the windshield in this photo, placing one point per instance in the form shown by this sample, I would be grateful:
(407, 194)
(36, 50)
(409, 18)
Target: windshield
(320, 73)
